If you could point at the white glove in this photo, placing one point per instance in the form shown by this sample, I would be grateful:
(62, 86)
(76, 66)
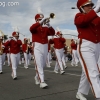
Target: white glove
(49, 50)
(26, 51)
(42, 21)
(97, 8)
(48, 24)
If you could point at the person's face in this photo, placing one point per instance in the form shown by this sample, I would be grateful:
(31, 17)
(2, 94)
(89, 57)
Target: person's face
(17, 37)
(38, 20)
(87, 8)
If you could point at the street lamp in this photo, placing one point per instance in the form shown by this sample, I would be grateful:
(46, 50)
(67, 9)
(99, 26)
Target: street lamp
(73, 8)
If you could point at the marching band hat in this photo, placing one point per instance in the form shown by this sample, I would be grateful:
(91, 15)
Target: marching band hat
(39, 16)
(81, 3)
(59, 33)
(25, 39)
(15, 34)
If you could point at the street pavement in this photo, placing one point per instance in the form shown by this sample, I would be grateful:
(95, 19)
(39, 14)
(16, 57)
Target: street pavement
(60, 87)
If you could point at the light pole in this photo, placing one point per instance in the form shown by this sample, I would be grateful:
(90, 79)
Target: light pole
(73, 8)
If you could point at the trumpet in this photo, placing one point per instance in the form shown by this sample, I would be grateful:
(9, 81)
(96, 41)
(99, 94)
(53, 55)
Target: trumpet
(52, 15)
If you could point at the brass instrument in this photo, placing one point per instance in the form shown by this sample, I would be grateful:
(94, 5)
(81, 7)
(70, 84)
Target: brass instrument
(52, 15)
(1, 39)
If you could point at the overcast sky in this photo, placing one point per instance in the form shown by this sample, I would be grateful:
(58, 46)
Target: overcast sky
(22, 15)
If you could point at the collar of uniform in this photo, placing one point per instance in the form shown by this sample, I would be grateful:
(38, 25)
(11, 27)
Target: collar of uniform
(44, 26)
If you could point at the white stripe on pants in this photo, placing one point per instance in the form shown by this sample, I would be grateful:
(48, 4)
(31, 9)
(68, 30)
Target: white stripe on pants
(40, 54)
(15, 61)
(59, 55)
(90, 52)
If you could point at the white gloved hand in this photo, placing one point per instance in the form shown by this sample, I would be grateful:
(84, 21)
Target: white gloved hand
(26, 51)
(49, 50)
(48, 24)
(97, 8)
(42, 21)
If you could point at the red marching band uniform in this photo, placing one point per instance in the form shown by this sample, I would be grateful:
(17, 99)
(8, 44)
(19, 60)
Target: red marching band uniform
(14, 45)
(58, 42)
(40, 32)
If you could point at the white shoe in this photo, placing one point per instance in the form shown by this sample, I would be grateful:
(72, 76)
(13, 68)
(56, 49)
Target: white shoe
(25, 67)
(56, 71)
(62, 72)
(43, 85)
(1, 72)
(72, 64)
(36, 80)
(19, 63)
(80, 96)
(65, 67)
(76, 65)
(14, 77)
(48, 66)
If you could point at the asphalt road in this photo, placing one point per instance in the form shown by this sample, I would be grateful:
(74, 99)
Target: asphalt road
(61, 87)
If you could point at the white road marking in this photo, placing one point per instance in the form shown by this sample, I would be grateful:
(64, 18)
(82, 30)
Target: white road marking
(55, 73)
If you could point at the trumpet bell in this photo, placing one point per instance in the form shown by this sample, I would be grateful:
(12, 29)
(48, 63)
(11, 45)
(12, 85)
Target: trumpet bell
(52, 15)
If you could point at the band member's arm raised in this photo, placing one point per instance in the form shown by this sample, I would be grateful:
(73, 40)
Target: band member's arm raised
(84, 19)
(51, 31)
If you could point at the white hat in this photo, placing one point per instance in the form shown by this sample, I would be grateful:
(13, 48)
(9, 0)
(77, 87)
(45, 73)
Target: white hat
(58, 29)
(16, 29)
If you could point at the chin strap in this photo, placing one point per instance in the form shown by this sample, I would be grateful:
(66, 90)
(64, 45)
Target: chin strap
(83, 10)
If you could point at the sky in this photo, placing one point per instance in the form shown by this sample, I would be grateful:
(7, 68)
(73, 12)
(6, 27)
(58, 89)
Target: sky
(21, 13)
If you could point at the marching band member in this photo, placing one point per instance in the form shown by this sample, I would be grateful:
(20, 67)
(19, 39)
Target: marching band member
(14, 45)
(88, 26)
(25, 48)
(59, 48)
(74, 53)
(40, 32)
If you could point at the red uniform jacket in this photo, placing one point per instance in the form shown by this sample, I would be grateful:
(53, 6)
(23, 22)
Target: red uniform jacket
(49, 44)
(88, 26)
(14, 46)
(25, 48)
(73, 46)
(58, 42)
(6, 49)
(40, 34)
